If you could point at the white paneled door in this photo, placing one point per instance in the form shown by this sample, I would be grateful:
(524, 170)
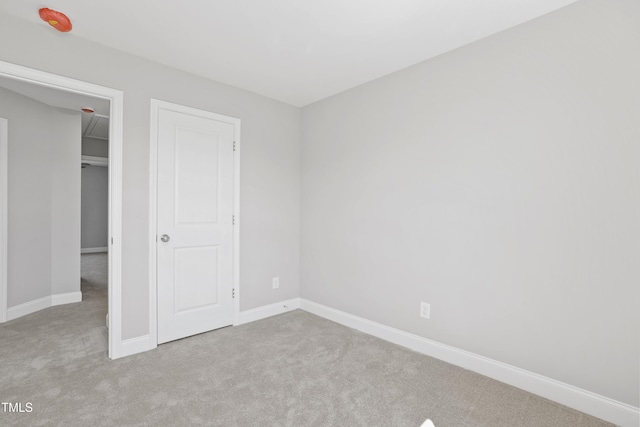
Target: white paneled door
(194, 224)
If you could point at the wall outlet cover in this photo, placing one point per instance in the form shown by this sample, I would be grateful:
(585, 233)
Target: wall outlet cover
(425, 310)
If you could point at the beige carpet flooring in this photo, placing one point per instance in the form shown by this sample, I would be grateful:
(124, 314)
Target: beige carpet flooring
(295, 369)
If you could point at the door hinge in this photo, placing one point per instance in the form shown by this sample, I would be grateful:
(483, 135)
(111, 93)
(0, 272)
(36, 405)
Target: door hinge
(233, 293)
(234, 146)
(112, 240)
(233, 220)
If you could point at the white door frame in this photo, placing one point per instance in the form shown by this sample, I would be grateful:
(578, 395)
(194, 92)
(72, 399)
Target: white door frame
(116, 98)
(4, 150)
(156, 106)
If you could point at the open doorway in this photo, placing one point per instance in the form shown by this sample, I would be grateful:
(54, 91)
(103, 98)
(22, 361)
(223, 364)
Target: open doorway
(94, 224)
(55, 91)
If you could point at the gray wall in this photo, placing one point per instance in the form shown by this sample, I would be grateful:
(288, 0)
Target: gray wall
(95, 207)
(270, 172)
(95, 147)
(65, 141)
(500, 183)
(44, 240)
(29, 231)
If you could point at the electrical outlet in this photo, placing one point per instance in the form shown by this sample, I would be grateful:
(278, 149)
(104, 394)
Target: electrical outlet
(275, 282)
(425, 310)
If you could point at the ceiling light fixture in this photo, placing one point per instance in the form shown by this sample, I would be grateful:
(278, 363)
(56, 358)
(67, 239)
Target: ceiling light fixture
(57, 20)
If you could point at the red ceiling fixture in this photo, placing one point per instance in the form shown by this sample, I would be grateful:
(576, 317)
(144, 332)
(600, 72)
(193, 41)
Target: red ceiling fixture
(57, 20)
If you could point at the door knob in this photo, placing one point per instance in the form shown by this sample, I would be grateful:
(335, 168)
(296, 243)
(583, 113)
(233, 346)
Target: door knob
(165, 238)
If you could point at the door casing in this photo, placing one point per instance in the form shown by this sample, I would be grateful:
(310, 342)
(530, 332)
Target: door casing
(4, 164)
(156, 106)
(116, 98)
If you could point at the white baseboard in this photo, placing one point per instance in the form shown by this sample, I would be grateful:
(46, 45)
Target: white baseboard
(68, 298)
(585, 401)
(265, 311)
(42, 303)
(93, 250)
(136, 345)
(144, 343)
(28, 307)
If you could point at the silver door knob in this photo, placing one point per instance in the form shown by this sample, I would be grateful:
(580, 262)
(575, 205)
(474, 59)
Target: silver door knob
(165, 238)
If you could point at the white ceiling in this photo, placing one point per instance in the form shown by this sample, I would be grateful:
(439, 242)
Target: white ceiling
(296, 51)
